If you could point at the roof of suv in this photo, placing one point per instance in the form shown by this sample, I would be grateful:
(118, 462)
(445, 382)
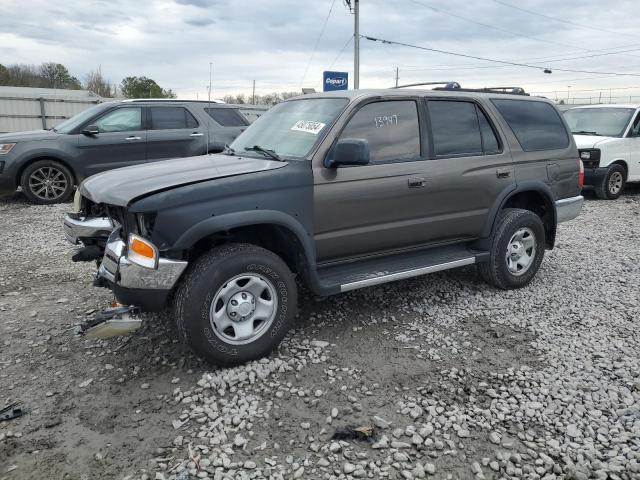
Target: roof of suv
(609, 105)
(390, 92)
(217, 103)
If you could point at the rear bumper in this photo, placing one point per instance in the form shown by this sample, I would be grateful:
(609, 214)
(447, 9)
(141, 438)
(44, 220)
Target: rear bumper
(136, 285)
(568, 208)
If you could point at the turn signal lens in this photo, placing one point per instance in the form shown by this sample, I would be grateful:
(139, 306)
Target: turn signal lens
(142, 252)
(580, 174)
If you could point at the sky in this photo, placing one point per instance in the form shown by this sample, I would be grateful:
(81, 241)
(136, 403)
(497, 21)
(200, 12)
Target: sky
(285, 44)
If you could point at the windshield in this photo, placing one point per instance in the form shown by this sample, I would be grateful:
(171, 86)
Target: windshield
(77, 120)
(292, 128)
(607, 122)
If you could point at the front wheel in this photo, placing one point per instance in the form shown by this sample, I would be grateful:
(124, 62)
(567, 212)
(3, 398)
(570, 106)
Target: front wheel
(235, 304)
(46, 182)
(612, 184)
(517, 250)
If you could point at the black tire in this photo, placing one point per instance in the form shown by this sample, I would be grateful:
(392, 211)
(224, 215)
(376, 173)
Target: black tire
(496, 271)
(34, 186)
(216, 270)
(612, 184)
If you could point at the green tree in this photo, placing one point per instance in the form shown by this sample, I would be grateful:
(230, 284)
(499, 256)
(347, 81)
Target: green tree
(143, 87)
(56, 75)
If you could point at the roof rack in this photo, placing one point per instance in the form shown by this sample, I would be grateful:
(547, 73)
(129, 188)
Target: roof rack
(169, 100)
(504, 90)
(456, 86)
(447, 85)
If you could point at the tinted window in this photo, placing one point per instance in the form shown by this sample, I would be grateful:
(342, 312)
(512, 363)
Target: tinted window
(164, 118)
(490, 142)
(391, 129)
(536, 125)
(121, 120)
(227, 117)
(455, 128)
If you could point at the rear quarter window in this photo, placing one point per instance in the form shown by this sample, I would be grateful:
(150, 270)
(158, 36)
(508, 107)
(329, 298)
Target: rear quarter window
(227, 117)
(536, 125)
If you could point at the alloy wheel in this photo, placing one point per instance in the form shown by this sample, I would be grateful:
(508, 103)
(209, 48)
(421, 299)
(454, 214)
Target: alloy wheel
(521, 251)
(48, 183)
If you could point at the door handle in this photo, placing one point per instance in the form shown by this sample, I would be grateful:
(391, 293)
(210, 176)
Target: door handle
(133, 138)
(416, 182)
(196, 134)
(503, 173)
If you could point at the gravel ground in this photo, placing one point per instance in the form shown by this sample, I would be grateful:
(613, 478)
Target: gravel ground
(458, 380)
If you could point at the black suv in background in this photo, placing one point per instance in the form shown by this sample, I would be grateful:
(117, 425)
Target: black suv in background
(334, 191)
(47, 164)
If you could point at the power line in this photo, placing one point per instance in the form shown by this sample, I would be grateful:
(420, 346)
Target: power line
(498, 29)
(453, 67)
(595, 89)
(569, 22)
(504, 62)
(341, 52)
(315, 47)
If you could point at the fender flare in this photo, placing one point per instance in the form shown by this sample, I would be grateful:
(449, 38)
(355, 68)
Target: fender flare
(526, 186)
(244, 219)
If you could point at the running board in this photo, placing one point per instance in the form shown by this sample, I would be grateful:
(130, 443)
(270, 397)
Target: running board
(374, 271)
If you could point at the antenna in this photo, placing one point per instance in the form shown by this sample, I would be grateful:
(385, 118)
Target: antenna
(208, 113)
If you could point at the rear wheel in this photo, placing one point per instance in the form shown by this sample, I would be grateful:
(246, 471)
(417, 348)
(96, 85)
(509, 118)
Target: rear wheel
(517, 250)
(235, 304)
(612, 184)
(46, 182)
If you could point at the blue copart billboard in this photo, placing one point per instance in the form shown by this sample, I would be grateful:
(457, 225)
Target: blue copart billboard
(335, 81)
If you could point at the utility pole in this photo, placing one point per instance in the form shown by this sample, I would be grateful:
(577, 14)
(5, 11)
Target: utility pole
(568, 92)
(356, 44)
(397, 77)
(210, 68)
(253, 96)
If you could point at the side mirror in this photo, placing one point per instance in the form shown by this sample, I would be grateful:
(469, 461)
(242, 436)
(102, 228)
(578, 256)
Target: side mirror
(90, 130)
(349, 151)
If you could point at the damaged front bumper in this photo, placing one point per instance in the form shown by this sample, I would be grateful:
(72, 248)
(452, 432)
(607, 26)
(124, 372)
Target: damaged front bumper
(132, 284)
(77, 228)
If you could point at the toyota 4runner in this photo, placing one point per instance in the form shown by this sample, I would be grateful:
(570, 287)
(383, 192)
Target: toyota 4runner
(335, 192)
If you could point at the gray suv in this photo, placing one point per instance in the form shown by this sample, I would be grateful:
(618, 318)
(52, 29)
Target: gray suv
(335, 192)
(47, 164)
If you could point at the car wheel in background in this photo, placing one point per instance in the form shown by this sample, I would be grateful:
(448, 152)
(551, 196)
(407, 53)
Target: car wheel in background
(46, 182)
(612, 184)
(235, 303)
(517, 250)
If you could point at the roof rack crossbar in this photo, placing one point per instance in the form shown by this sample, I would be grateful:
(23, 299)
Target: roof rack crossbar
(448, 85)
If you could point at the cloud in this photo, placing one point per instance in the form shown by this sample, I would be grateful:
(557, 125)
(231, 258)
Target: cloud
(173, 41)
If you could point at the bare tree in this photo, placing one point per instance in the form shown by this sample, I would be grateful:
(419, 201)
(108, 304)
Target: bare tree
(97, 83)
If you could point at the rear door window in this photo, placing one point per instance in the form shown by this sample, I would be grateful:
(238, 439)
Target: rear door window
(391, 128)
(536, 125)
(227, 117)
(455, 128)
(169, 118)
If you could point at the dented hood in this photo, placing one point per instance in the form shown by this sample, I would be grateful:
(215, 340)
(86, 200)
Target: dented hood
(124, 185)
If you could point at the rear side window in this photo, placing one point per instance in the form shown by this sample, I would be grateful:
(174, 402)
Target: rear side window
(461, 128)
(536, 125)
(391, 128)
(166, 118)
(455, 128)
(227, 117)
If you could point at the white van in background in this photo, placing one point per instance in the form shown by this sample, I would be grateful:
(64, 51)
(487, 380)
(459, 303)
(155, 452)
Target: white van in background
(608, 139)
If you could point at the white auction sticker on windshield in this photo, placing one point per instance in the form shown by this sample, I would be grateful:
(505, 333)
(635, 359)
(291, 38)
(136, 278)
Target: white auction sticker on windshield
(308, 126)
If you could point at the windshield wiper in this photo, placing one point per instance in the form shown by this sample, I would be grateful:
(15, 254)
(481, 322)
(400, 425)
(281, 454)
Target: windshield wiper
(586, 132)
(228, 150)
(265, 151)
